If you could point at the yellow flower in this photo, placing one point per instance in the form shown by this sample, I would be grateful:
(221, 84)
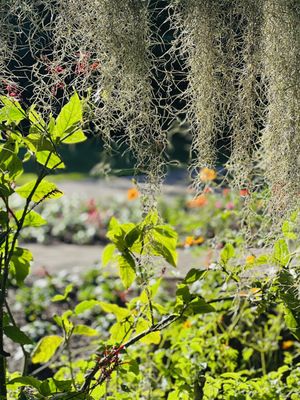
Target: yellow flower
(186, 324)
(199, 240)
(132, 194)
(189, 240)
(250, 259)
(207, 174)
(287, 344)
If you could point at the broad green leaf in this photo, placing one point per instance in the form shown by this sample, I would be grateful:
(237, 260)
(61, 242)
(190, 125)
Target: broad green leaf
(26, 381)
(5, 188)
(36, 142)
(11, 112)
(45, 388)
(166, 230)
(61, 385)
(183, 293)
(168, 253)
(281, 254)
(16, 335)
(45, 190)
(120, 330)
(10, 164)
(199, 306)
(165, 246)
(194, 275)
(119, 312)
(46, 348)
(20, 264)
(132, 236)
(75, 137)
(99, 391)
(38, 125)
(85, 331)
(151, 338)
(126, 269)
(32, 218)
(69, 118)
(107, 253)
(227, 253)
(49, 159)
(292, 322)
(86, 305)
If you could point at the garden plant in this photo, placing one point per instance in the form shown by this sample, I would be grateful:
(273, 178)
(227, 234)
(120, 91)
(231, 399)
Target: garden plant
(109, 365)
(137, 73)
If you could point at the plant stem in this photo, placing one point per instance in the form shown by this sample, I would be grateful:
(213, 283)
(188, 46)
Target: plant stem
(25, 354)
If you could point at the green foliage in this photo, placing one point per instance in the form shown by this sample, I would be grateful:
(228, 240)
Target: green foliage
(218, 337)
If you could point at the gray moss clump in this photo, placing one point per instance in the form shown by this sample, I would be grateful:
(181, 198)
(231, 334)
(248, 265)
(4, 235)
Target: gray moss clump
(234, 65)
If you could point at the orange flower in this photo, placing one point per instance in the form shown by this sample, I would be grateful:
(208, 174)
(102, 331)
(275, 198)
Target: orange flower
(287, 344)
(244, 192)
(132, 194)
(189, 241)
(226, 191)
(250, 259)
(199, 201)
(207, 174)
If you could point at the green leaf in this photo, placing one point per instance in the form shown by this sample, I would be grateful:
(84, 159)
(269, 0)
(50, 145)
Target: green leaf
(166, 230)
(46, 348)
(292, 323)
(37, 142)
(183, 293)
(169, 254)
(75, 137)
(16, 335)
(119, 312)
(10, 163)
(85, 331)
(288, 231)
(126, 269)
(132, 236)
(62, 297)
(20, 264)
(107, 254)
(152, 338)
(86, 305)
(165, 246)
(227, 253)
(32, 218)
(12, 112)
(38, 125)
(281, 254)
(26, 381)
(199, 306)
(3, 219)
(45, 190)
(69, 118)
(120, 330)
(49, 159)
(194, 275)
